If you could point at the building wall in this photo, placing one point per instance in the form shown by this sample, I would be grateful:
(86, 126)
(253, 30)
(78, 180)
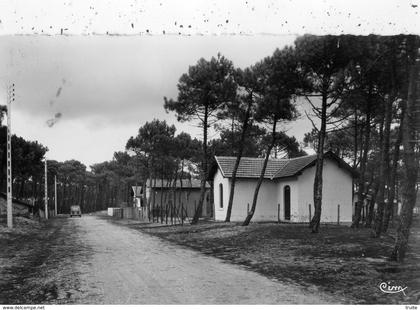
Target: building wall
(336, 190)
(266, 209)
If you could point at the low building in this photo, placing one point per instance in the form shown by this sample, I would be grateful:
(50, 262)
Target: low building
(20, 208)
(185, 194)
(286, 193)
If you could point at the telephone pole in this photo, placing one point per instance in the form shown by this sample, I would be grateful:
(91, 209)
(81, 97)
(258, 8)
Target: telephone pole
(46, 190)
(10, 98)
(55, 194)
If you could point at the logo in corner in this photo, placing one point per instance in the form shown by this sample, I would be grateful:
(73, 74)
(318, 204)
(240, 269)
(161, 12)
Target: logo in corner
(387, 288)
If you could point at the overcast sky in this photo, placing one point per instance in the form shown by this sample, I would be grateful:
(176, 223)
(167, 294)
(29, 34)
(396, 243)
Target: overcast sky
(102, 87)
(106, 87)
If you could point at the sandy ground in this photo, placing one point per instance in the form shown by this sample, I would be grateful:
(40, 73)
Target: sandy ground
(130, 267)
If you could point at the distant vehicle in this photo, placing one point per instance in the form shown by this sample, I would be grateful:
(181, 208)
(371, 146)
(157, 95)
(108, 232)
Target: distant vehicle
(75, 211)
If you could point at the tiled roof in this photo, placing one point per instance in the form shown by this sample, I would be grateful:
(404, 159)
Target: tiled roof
(186, 183)
(276, 168)
(249, 167)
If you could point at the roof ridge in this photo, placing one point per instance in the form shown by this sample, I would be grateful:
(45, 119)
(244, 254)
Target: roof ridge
(248, 157)
(309, 155)
(220, 166)
(294, 160)
(282, 168)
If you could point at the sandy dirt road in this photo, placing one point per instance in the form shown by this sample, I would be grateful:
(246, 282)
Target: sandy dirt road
(90, 260)
(130, 267)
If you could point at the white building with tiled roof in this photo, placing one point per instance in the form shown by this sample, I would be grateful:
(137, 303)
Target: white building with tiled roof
(286, 193)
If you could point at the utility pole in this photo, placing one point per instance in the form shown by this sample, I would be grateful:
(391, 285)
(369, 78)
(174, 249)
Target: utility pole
(55, 194)
(10, 98)
(46, 190)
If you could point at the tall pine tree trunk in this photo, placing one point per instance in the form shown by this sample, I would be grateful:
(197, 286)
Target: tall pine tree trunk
(314, 225)
(261, 178)
(238, 159)
(389, 207)
(149, 199)
(180, 203)
(173, 205)
(379, 218)
(362, 177)
(153, 191)
(161, 195)
(377, 178)
(356, 136)
(371, 207)
(384, 169)
(204, 168)
(411, 165)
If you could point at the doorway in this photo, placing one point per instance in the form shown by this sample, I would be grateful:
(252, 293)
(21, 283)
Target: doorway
(287, 203)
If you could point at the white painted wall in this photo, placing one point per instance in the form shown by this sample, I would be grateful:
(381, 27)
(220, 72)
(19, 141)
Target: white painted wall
(336, 190)
(306, 189)
(266, 209)
(244, 191)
